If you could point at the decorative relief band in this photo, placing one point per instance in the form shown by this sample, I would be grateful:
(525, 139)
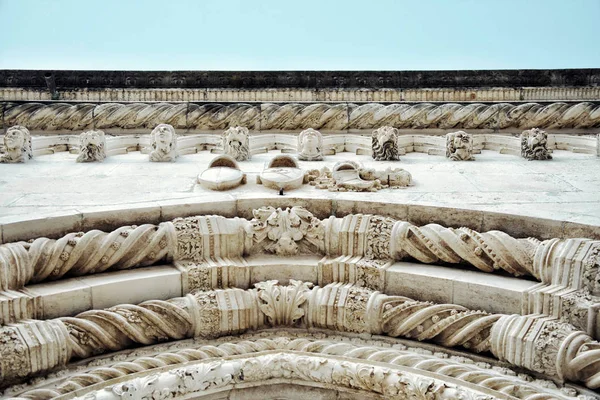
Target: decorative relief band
(559, 350)
(294, 231)
(267, 116)
(96, 251)
(461, 368)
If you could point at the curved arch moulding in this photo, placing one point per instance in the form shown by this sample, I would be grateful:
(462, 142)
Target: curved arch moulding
(299, 295)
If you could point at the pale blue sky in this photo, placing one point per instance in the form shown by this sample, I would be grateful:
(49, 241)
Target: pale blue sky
(299, 35)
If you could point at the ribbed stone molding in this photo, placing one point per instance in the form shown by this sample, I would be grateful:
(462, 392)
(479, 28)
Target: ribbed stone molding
(560, 350)
(463, 369)
(542, 344)
(288, 232)
(31, 348)
(266, 116)
(195, 379)
(85, 253)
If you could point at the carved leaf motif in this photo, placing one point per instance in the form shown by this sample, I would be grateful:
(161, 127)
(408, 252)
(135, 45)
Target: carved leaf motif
(283, 304)
(284, 228)
(422, 389)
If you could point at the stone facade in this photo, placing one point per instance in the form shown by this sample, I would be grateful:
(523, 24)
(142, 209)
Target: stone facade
(356, 292)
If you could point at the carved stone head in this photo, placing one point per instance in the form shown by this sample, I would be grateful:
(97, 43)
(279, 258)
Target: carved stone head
(164, 143)
(92, 146)
(459, 146)
(384, 144)
(236, 143)
(310, 145)
(17, 141)
(534, 145)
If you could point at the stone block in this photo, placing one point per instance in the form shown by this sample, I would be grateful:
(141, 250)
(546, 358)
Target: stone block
(420, 282)
(111, 217)
(171, 209)
(446, 216)
(50, 225)
(134, 286)
(522, 226)
(63, 298)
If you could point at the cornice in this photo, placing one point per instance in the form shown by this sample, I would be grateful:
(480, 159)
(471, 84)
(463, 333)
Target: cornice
(300, 79)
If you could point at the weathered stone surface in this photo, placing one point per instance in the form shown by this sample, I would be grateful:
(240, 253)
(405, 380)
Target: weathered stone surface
(302, 79)
(92, 146)
(17, 145)
(534, 145)
(282, 173)
(459, 146)
(297, 116)
(310, 145)
(223, 173)
(164, 143)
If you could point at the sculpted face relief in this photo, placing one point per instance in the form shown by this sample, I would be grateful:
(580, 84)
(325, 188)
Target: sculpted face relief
(310, 145)
(164, 143)
(534, 145)
(384, 144)
(459, 146)
(17, 141)
(236, 143)
(92, 145)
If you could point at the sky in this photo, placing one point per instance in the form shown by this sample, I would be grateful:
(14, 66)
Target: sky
(299, 34)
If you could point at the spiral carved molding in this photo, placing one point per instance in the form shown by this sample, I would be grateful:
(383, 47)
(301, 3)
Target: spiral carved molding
(205, 237)
(85, 253)
(561, 351)
(267, 116)
(502, 380)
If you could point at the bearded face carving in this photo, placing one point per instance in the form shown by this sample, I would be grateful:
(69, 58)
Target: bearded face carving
(164, 143)
(459, 146)
(17, 143)
(384, 144)
(236, 143)
(92, 146)
(534, 145)
(310, 145)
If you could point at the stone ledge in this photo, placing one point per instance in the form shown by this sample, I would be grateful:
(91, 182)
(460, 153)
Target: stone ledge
(300, 79)
(67, 297)
(56, 224)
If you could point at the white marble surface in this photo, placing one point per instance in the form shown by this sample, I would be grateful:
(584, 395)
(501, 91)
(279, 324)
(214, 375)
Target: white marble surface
(566, 188)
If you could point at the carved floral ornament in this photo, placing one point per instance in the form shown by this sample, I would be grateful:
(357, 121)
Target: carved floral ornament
(491, 378)
(564, 348)
(562, 353)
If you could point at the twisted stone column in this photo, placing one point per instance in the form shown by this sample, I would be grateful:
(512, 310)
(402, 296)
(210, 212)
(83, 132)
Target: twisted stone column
(379, 237)
(355, 309)
(295, 116)
(285, 232)
(539, 343)
(96, 251)
(487, 251)
(203, 314)
(545, 345)
(30, 348)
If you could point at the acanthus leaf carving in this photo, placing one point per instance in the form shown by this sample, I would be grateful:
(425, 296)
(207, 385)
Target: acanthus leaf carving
(284, 228)
(283, 304)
